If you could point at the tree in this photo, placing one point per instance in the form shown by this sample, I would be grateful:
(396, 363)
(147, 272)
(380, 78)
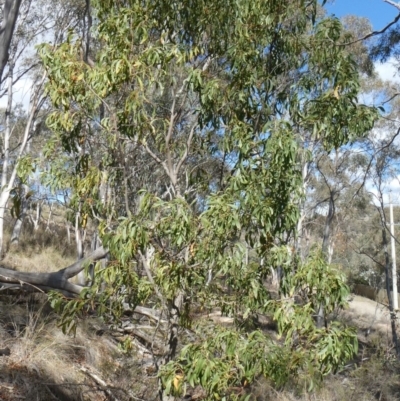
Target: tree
(186, 85)
(9, 18)
(23, 127)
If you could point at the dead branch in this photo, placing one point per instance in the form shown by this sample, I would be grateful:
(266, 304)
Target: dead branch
(51, 281)
(141, 310)
(104, 386)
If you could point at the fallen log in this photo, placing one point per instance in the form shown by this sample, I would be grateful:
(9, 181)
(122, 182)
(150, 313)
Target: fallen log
(58, 280)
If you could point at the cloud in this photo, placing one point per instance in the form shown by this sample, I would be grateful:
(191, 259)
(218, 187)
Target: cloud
(391, 189)
(388, 71)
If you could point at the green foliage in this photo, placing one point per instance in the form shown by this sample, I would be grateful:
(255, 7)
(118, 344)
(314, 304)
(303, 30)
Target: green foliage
(189, 84)
(225, 362)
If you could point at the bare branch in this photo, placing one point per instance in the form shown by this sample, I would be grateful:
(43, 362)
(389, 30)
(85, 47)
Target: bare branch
(185, 154)
(51, 281)
(392, 3)
(375, 33)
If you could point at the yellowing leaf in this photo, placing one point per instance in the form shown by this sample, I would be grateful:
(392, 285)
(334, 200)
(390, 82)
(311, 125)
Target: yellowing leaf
(177, 380)
(336, 92)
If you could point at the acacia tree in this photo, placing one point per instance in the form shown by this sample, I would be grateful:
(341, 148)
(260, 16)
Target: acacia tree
(184, 83)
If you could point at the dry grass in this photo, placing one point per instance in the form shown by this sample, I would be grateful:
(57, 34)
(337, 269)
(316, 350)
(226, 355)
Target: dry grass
(374, 379)
(44, 364)
(42, 361)
(40, 251)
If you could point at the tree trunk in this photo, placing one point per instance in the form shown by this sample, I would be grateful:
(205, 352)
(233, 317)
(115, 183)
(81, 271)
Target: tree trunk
(10, 16)
(328, 225)
(20, 219)
(175, 310)
(82, 280)
(58, 280)
(327, 250)
(299, 229)
(36, 220)
(5, 193)
(8, 180)
(68, 227)
(387, 281)
(49, 218)
(394, 267)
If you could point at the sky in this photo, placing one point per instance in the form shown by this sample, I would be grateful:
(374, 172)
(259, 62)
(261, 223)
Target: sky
(380, 14)
(377, 11)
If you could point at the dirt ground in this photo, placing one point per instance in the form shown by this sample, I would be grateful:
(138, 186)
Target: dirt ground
(369, 316)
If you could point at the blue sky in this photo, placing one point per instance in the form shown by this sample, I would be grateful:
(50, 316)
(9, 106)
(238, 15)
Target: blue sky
(377, 11)
(380, 14)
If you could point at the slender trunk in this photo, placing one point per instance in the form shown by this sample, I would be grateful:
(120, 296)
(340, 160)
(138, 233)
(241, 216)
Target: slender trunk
(82, 280)
(36, 220)
(299, 229)
(49, 218)
(6, 155)
(10, 16)
(68, 226)
(387, 281)
(78, 237)
(394, 269)
(327, 250)
(20, 219)
(175, 310)
(328, 225)
(8, 180)
(2, 213)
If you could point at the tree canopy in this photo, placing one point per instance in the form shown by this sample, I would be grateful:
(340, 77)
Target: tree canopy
(180, 129)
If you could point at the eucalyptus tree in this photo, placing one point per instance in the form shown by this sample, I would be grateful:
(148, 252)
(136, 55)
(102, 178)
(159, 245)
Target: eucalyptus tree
(10, 12)
(16, 69)
(316, 156)
(20, 136)
(209, 97)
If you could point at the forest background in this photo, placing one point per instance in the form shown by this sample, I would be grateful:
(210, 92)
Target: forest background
(166, 163)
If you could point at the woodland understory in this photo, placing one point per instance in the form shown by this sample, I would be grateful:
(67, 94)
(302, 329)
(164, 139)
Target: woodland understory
(190, 190)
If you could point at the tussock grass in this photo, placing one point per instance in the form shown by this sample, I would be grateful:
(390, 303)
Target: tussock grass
(41, 250)
(44, 364)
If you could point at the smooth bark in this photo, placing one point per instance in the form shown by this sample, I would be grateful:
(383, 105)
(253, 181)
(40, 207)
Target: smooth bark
(58, 280)
(10, 16)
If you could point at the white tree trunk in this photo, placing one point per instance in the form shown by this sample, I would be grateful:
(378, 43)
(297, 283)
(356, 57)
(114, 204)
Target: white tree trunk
(8, 181)
(79, 248)
(36, 220)
(68, 226)
(394, 269)
(300, 229)
(20, 219)
(49, 218)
